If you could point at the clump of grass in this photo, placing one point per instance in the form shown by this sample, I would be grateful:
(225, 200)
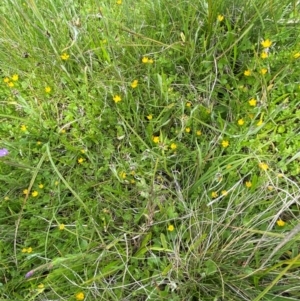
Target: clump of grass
(149, 150)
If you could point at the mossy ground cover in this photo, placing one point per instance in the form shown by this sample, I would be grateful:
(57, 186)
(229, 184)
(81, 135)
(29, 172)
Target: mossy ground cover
(149, 150)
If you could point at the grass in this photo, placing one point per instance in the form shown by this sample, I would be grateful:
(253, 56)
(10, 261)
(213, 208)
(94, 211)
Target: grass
(153, 150)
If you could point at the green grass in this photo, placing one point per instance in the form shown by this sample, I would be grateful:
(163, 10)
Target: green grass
(179, 191)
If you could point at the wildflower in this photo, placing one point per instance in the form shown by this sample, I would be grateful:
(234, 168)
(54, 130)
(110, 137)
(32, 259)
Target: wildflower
(173, 146)
(264, 55)
(61, 227)
(220, 18)
(247, 72)
(170, 228)
(134, 84)
(119, 2)
(280, 223)
(224, 192)
(80, 160)
(47, 89)
(41, 186)
(198, 133)
(155, 139)
(263, 71)
(266, 43)
(15, 77)
(188, 104)
(145, 60)
(150, 61)
(82, 151)
(260, 122)
(11, 84)
(38, 142)
(280, 175)
(149, 117)
(64, 56)
(187, 129)
(6, 80)
(63, 131)
(3, 152)
(23, 128)
(29, 274)
(123, 175)
(248, 184)
(263, 166)
(241, 121)
(225, 143)
(296, 55)
(40, 288)
(24, 250)
(25, 191)
(56, 183)
(29, 250)
(214, 194)
(117, 98)
(252, 102)
(34, 193)
(79, 296)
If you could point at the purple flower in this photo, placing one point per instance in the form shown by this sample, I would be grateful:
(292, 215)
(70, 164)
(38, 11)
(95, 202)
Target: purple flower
(3, 152)
(29, 274)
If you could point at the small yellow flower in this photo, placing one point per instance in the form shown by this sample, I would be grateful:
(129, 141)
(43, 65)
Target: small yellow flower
(117, 98)
(173, 146)
(150, 61)
(149, 117)
(247, 72)
(260, 122)
(241, 121)
(280, 175)
(188, 104)
(225, 143)
(263, 71)
(41, 287)
(64, 56)
(56, 183)
(266, 43)
(11, 84)
(23, 128)
(79, 296)
(25, 191)
(248, 184)
(155, 139)
(119, 2)
(264, 55)
(170, 228)
(41, 186)
(280, 223)
(220, 18)
(29, 250)
(263, 166)
(224, 192)
(38, 142)
(296, 55)
(145, 60)
(123, 175)
(34, 193)
(188, 129)
(214, 194)
(15, 77)
(24, 250)
(61, 227)
(252, 102)
(198, 133)
(80, 160)
(134, 84)
(47, 89)
(6, 80)
(6, 198)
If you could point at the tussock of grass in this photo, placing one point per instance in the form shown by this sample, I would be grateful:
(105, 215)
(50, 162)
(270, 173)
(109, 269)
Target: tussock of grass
(149, 150)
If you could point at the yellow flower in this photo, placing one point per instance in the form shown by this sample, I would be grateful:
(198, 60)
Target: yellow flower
(247, 72)
(280, 223)
(296, 55)
(29, 250)
(198, 133)
(150, 61)
(149, 117)
(224, 192)
(41, 186)
(225, 143)
(34, 193)
(23, 128)
(25, 191)
(266, 43)
(264, 55)
(24, 250)
(79, 296)
(214, 194)
(171, 228)
(80, 160)
(220, 18)
(252, 102)
(134, 84)
(61, 227)
(260, 122)
(6, 80)
(155, 139)
(173, 146)
(123, 175)
(11, 84)
(263, 71)
(64, 56)
(15, 77)
(47, 89)
(38, 142)
(188, 104)
(119, 2)
(263, 166)
(187, 129)
(248, 184)
(117, 98)
(241, 121)
(145, 60)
